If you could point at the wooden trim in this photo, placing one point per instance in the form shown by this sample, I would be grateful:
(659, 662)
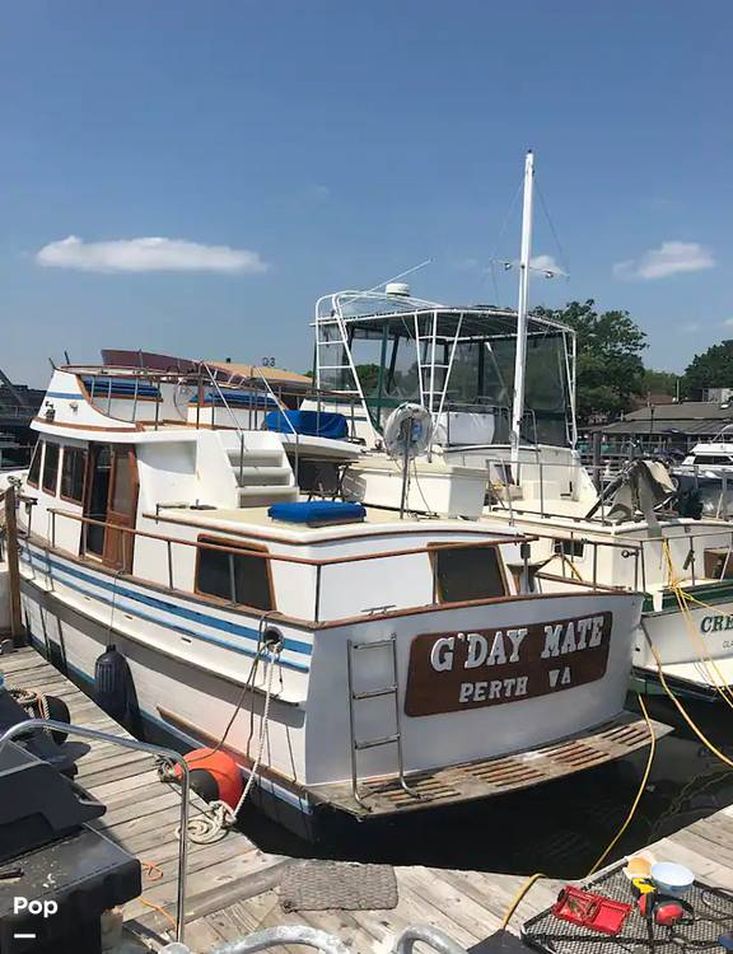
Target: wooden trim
(204, 540)
(79, 450)
(94, 562)
(128, 518)
(311, 626)
(89, 427)
(463, 604)
(280, 558)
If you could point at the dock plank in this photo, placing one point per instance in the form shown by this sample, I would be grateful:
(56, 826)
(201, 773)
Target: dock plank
(233, 885)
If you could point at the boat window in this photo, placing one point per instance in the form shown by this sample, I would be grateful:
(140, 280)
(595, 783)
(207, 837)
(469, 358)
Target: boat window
(34, 471)
(96, 505)
(571, 548)
(238, 577)
(711, 459)
(467, 573)
(51, 468)
(73, 467)
(123, 488)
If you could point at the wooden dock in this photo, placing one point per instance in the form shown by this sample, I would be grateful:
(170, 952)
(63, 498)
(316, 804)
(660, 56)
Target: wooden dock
(233, 886)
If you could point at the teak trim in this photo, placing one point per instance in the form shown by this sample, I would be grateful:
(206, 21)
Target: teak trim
(204, 542)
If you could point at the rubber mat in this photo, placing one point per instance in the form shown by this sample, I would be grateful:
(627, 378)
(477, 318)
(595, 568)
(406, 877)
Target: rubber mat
(338, 886)
(713, 916)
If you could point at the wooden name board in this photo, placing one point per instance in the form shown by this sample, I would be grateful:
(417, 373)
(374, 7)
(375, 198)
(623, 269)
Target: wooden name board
(489, 667)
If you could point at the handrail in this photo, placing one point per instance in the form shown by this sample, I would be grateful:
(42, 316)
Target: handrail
(283, 413)
(274, 557)
(275, 937)
(427, 934)
(124, 742)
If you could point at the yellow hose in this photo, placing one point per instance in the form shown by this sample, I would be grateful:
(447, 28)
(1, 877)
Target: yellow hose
(533, 879)
(698, 732)
(683, 598)
(640, 792)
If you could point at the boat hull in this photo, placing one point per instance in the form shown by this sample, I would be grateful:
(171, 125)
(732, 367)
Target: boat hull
(189, 697)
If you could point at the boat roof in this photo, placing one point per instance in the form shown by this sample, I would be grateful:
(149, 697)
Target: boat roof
(374, 309)
(378, 522)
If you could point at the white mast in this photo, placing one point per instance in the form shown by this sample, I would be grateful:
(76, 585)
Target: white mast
(520, 360)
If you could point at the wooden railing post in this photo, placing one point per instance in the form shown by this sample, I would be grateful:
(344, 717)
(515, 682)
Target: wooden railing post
(17, 630)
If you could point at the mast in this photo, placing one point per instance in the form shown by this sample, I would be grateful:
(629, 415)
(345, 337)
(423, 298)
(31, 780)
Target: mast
(520, 360)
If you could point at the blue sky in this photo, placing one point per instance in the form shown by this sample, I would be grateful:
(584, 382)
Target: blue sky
(281, 150)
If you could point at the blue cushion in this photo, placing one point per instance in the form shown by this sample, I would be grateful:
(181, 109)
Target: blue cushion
(235, 398)
(317, 511)
(313, 423)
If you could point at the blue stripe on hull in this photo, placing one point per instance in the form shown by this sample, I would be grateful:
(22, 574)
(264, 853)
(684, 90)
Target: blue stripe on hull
(190, 742)
(296, 646)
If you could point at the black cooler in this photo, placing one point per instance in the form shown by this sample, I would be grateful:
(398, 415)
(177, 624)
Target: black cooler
(57, 875)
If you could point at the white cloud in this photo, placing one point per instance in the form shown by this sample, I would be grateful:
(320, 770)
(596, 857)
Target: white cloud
(321, 192)
(148, 255)
(728, 323)
(690, 327)
(547, 264)
(669, 259)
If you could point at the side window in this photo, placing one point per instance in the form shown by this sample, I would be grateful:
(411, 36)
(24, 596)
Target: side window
(571, 548)
(51, 468)
(212, 573)
(240, 577)
(467, 573)
(73, 467)
(34, 471)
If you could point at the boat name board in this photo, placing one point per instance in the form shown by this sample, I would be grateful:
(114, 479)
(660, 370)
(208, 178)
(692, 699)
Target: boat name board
(717, 623)
(469, 670)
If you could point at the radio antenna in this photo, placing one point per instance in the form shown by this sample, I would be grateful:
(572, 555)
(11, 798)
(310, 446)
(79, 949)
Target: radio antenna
(408, 271)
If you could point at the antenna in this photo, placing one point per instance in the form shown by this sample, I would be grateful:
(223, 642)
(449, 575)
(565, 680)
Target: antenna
(409, 271)
(520, 359)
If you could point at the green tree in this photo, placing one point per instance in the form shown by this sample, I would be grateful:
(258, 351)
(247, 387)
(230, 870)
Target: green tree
(660, 382)
(711, 369)
(609, 369)
(368, 377)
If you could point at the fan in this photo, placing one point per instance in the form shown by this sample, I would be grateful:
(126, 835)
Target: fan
(407, 433)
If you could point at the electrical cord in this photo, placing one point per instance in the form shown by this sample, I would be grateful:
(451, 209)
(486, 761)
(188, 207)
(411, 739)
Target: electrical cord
(537, 876)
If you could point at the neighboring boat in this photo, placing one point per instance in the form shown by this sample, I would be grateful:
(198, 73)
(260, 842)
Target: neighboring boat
(499, 387)
(349, 659)
(708, 472)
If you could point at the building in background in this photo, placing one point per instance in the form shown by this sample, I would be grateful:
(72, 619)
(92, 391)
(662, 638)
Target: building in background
(667, 428)
(19, 404)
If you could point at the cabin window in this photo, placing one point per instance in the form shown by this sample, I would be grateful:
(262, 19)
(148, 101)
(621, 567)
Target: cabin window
(236, 577)
(570, 548)
(34, 472)
(467, 573)
(704, 459)
(51, 468)
(73, 467)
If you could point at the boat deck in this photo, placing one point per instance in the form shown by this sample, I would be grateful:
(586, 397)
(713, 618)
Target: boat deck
(233, 886)
(485, 778)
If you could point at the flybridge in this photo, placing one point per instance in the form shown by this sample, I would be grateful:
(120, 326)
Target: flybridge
(382, 349)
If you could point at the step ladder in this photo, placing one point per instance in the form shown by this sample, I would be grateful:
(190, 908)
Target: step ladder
(353, 651)
(324, 339)
(433, 374)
